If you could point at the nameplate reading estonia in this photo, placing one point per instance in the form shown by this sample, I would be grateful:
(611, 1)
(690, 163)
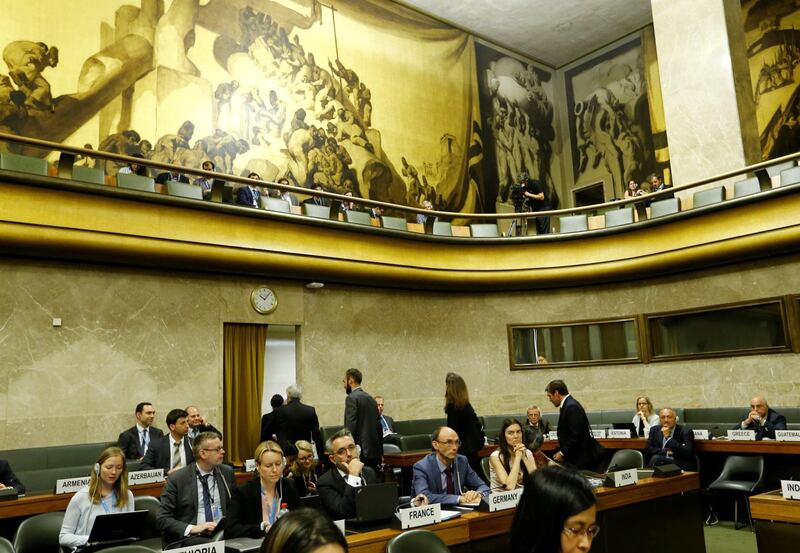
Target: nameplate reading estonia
(211, 547)
(599, 433)
(787, 435)
(741, 435)
(500, 501)
(625, 477)
(619, 433)
(145, 476)
(69, 485)
(249, 465)
(552, 436)
(701, 435)
(790, 489)
(420, 516)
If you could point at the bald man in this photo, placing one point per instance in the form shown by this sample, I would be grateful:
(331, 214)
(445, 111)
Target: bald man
(762, 419)
(670, 442)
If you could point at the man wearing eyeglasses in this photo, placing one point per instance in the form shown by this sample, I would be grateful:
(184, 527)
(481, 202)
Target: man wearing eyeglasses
(761, 418)
(444, 476)
(337, 487)
(196, 497)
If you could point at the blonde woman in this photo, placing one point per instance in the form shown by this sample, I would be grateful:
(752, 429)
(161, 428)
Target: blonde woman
(644, 417)
(107, 492)
(303, 469)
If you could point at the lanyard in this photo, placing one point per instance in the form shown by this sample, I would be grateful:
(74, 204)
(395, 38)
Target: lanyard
(271, 514)
(107, 508)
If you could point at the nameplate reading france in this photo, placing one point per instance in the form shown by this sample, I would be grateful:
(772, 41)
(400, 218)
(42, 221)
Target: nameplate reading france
(145, 476)
(70, 485)
(599, 433)
(500, 501)
(742, 435)
(249, 465)
(211, 547)
(552, 436)
(420, 516)
(787, 435)
(626, 477)
(790, 489)
(619, 433)
(701, 435)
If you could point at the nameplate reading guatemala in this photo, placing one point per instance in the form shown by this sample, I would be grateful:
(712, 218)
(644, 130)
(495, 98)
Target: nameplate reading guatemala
(787, 435)
(211, 547)
(741, 435)
(619, 433)
(626, 477)
(790, 489)
(420, 516)
(70, 485)
(701, 435)
(145, 476)
(500, 501)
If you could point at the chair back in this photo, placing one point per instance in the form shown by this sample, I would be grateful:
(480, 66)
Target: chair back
(485, 468)
(318, 211)
(358, 217)
(442, 228)
(6, 546)
(746, 187)
(775, 170)
(790, 176)
(275, 204)
(130, 181)
(664, 207)
(484, 230)
(88, 174)
(743, 468)
(151, 505)
(391, 448)
(132, 548)
(617, 217)
(39, 533)
(573, 223)
(626, 459)
(416, 541)
(23, 164)
(394, 223)
(184, 190)
(708, 197)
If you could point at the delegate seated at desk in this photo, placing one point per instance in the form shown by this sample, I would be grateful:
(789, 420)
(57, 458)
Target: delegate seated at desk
(445, 476)
(8, 479)
(173, 451)
(763, 420)
(337, 487)
(671, 442)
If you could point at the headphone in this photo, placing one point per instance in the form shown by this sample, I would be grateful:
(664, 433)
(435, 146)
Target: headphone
(97, 469)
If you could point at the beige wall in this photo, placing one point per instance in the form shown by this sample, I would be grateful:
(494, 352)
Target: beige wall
(132, 334)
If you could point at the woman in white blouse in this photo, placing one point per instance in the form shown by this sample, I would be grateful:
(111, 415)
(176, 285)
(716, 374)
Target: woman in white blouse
(107, 492)
(511, 462)
(644, 417)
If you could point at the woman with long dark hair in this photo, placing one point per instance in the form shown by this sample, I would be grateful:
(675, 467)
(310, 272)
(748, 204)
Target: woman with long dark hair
(461, 417)
(511, 462)
(556, 514)
(304, 531)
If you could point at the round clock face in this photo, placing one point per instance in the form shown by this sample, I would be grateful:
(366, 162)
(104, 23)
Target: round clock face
(264, 300)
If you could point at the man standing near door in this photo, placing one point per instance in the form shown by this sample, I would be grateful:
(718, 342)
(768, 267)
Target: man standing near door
(362, 420)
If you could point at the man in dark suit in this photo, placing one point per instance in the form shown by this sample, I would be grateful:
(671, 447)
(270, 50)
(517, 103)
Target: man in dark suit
(268, 430)
(445, 476)
(577, 447)
(8, 479)
(136, 440)
(535, 428)
(337, 487)
(162, 178)
(173, 451)
(670, 442)
(361, 418)
(762, 419)
(387, 424)
(196, 497)
(297, 421)
(198, 424)
(249, 195)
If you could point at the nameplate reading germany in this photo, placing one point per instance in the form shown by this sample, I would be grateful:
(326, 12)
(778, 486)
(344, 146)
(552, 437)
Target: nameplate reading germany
(619, 433)
(212, 547)
(500, 501)
(790, 489)
(145, 477)
(701, 435)
(625, 478)
(741, 435)
(70, 485)
(787, 435)
(420, 516)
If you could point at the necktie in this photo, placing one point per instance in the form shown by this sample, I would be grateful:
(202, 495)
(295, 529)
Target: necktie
(449, 476)
(176, 455)
(144, 441)
(206, 498)
(384, 425)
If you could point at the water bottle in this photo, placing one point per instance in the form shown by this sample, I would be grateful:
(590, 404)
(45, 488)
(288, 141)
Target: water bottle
(283, 510)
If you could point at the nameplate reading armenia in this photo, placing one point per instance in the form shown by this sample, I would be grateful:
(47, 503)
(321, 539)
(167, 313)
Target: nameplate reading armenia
(70, 485)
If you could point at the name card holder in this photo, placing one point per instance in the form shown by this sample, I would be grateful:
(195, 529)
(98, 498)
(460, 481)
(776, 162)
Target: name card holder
(70, 485)
(701, 435)
(787, 435)
(145, 477)
(500, 501)
(419, 516)
(211, 547)
(599, 433)
(249, 465)
(622, 478)
(552, 436)
(741, 435)
(340, 525)
(790, 489)
(619, 433)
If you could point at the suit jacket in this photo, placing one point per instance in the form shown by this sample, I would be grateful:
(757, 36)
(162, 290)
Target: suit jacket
(162, 178)
(129, 441)
(180, 501)
(337, 496)
(244, 196)
(468, 427)
(203, 428)
(297, 421)
(10, 479)
(427, 480)
(361, 418)
(389, 421)
(681, 444)
(268, 428)
(575, 439)
(532, 433)
(160, 452)
(775, 421)
(245, 515)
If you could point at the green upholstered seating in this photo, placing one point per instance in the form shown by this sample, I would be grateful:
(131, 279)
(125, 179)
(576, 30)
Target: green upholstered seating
(130, 181)
(23, 164)
(88, 174)
(184, 190)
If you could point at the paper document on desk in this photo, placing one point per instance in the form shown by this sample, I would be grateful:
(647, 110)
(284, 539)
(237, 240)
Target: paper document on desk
(471, 504)
(447, 515)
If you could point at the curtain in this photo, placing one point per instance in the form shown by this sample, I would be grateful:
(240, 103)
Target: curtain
(243, 368)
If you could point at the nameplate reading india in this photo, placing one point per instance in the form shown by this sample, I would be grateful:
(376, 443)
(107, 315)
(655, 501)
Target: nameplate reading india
(626, 477)
(249, 465)
(145, 476)
(790, 489)
(599, 433)
(787, 435)
(500, 501)
(420, 516)
(619, 433)
(741, 435)
(71, 485)
(211, 547)
(701, 435)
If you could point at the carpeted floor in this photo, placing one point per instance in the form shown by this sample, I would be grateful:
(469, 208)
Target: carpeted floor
(722, 538)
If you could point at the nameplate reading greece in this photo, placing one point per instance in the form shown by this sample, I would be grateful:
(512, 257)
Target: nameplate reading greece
(619, 433)
(500, 501)
(420, 516)
(787, 435)
(599, 433)
(790, 489)
(145, 477)
(742, 435)
(211, 547)
(70, 485)
(626, 477)
(701, 435)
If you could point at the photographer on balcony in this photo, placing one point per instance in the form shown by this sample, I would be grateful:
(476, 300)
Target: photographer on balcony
(533, 191)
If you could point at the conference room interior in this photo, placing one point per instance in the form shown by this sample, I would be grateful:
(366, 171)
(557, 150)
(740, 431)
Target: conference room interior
(114, 295)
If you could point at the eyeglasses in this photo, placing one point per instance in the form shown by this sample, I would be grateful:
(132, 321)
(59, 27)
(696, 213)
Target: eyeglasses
(450, 443)
(342, 450)
(215, 450)
(590, 531)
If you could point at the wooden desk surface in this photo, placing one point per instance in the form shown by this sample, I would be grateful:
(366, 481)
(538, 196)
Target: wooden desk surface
(408, 458)
(704, 446)
(772, 506)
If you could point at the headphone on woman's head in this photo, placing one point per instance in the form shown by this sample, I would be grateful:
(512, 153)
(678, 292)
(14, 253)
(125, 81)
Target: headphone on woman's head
(97, 469)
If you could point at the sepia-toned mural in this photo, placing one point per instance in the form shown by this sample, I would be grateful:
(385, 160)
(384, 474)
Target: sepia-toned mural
(353, 95)
(772, 35)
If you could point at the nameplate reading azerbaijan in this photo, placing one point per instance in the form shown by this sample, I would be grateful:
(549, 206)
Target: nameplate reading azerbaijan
(619, 433)
(787, 435)
(742, 435)
(500, 501)
(145, 477)
(212, 547)
(790, 489)
(626, 477)
(71, 485)
(701, 435)
(420, 516)
(599, 433)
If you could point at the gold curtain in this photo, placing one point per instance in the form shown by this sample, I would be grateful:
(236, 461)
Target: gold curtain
(244, 348)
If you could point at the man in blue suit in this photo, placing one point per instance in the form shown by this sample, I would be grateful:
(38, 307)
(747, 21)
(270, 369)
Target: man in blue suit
(249, 195)
(444, 476)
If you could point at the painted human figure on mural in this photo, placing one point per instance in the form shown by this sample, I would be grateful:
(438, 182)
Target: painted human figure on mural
(26, 62)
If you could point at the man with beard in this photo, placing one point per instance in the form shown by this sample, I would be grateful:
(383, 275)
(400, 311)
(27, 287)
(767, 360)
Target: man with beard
(362, 420)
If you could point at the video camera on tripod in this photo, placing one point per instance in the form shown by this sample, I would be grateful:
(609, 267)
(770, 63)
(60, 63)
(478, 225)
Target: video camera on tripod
(517, 193)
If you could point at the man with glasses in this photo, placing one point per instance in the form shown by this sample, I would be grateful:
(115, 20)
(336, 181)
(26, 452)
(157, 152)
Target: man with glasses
(762, 419)
(173, 451)
(196, 497)
(337, 487)
(444, 476)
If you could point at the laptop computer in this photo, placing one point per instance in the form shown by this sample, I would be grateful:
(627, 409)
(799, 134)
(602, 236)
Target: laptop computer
(375, 502)
(243, 544)
(116, 529)
(627, 426)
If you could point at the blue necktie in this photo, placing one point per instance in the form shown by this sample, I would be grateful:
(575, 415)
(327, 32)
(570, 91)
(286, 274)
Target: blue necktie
(384, 424)
(206, 498)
